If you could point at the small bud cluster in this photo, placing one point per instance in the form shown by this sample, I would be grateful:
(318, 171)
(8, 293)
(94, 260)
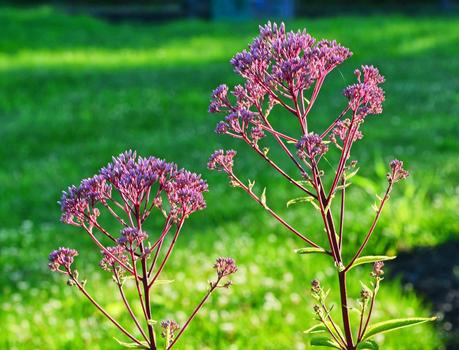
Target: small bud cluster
(311, 146)
(365, 295)
(169, 327)
(112, 256)
(397, 172)
(222, 160)
(378, 269)
(225, 267)
(62, 257)
(132, 236)
(341, 130)
(366, 97)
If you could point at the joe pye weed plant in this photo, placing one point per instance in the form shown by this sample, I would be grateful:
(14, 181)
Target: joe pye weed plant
(287, 70)
(131, 190)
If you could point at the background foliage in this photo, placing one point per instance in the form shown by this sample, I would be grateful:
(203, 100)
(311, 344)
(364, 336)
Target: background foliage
(76, 90)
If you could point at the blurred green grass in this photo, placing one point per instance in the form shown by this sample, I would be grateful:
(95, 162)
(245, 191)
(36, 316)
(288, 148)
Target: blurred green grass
(75, 90)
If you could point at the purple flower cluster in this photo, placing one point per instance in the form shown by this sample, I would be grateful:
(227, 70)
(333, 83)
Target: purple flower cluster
(397, 172)
(276, 57)
(132, 236)
(310, 146)
(222, 160)
(225, 267)
(378, 269)
(62, 257)
(366, 97)
(108, 262)
(185, 193)
(341, 130)
(276, 63)
(77, 204)
(169, 328)
(133, 178)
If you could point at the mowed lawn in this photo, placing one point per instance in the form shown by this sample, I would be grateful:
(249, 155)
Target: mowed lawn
(75, 90)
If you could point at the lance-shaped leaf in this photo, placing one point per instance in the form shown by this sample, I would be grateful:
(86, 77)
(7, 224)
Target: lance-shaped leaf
(352, 174)
(263, 198)
(310, 250)
(132, 345)
(318, 328)
(368, 344)
(371, 259)
(307, 199)
(161, 282)
(392, 325)
(322, 341)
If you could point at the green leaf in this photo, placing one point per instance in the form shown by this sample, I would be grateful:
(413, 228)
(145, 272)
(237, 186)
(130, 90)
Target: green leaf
(371, 259)
(351, 175)
(132, 345)
(300, 200)
(310, 250)
(152, 322)
(318, 328)
(392, 325)
(368, 344)
(322, 341)
(161, 282)
(263, 198)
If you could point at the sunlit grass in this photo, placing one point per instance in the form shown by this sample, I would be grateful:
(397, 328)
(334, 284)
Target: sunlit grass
(78, 90)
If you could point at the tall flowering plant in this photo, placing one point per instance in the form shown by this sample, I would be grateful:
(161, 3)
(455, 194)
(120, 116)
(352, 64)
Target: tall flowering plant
(129, 190)
(287, 70)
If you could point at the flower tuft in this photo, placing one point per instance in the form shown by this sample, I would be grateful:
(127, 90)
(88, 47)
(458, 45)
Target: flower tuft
(108, 262)
(378, 269)
(77, 203)
(397, 172)
(169, 328)
(222, 160)
(132, 235)
(225, 267)
(366, 97)
(310, 146)
(185, 193)
(62, 257)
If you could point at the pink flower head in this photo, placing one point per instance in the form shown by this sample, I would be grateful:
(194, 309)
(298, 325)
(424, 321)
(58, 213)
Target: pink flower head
(185, 193)
(109, 262)
(222, 160)
(397, 172)
(225, 267)
(341, 130)
(62, 257)
(77, 203)
(310, 146)
(219, 99)
(133, 176)
(366, 97)
(132, 236)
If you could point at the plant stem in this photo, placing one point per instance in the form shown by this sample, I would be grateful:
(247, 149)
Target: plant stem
(127, 305)
(271, 212)
(146, 288)
(345, 310)
(196, 310)
(101, 309)
(169, 251)
(372, 228)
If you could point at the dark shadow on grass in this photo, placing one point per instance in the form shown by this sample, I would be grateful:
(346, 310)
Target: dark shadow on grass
(433, 272)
